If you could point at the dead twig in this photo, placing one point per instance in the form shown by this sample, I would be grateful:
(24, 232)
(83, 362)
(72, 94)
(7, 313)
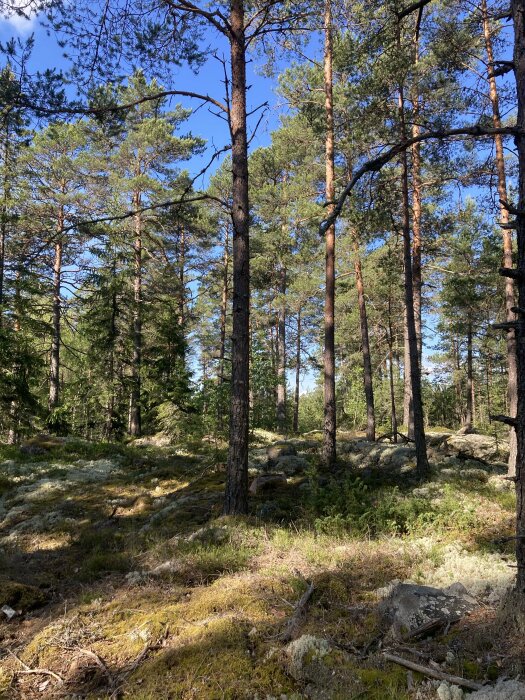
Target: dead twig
(99, 661)
(427, 628)
(35, 671)
(294, 622)
(432, 672)
(148, 648)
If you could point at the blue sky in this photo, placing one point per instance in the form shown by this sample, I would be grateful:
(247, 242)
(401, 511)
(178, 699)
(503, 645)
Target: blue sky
(48, 54)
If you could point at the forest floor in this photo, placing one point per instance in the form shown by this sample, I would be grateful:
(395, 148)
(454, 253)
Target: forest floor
(123, 579)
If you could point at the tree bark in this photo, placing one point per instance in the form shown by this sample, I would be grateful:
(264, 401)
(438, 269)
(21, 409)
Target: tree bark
(110, 407)
(518, 16)
(222, 322)
(391, 372)
(512, 395)
(408, 410)
(3, 220)
(236, 493)
(329, 307)
(297, 374)
(135, 417)
(281, 354)
(54, 370)
(417, 198)
(365, 345)
(469, 418)
(415, 374)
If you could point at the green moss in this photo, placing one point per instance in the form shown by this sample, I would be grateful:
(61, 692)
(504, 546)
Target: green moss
(99, 563)
(209, 662)
(20, 596)
(473, 670)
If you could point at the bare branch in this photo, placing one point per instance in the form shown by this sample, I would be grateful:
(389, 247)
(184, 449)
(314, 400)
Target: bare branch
(376, 164)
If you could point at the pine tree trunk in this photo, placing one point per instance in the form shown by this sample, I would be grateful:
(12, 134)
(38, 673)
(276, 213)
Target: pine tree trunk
(110, 407)
(236, 494)
(417, 198)
(329, 308)
(54, 370)
(14, 429)
(182, 280)
(297, 374)
(469, 412)
(365, 346)
(222, 342)
(415, 374)
(408, 409)
(512, 396)
(4, 217)
(281, 354)
(135, 417)
(518, 15)
(391, 372)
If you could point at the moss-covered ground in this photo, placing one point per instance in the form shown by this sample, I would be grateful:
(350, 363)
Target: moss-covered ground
(130, 583)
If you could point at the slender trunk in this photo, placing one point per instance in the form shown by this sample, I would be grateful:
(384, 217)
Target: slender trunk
(488, 372)
(281, 354)
(224, 305)
(54, 371)
(3, 220)
(329, 306)
(415, 374)
(135, 417)
(512, 395)
(408, 409)
(518, 15)
(469, 413)
(417, 197)
(13, 434)
(236, 494)
(365, 345)
(391, 373)
(110, 408)
(297, 374)
(182, 280)
(224, 308)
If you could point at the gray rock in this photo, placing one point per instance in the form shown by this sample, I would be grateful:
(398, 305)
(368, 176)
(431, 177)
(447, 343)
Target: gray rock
(172, 566)
(479, 447)
(280, 449)
(474, 475)
(209, 535)
(396, 457)
(265, 481)
(303, 653)
(134, 578)
(446, 691)
(291, 464)
(499, 483)
(410, 606)
(503, 690)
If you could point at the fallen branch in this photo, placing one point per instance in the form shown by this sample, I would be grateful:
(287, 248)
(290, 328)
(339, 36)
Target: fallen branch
(425, 629)
(432, 672)
(290, 632)
(148, 648)
(35, 671)
(100, 662)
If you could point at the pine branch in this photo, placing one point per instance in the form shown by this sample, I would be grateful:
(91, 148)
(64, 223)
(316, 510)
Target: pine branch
(376, 164)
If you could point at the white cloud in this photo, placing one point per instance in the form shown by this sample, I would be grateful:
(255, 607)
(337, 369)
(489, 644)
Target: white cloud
(21, 24)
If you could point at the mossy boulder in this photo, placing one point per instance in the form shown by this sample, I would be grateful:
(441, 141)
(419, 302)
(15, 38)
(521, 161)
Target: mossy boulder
(20, 596)
(280, 449)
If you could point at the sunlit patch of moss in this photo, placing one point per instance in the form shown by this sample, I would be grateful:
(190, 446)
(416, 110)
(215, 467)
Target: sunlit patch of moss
(213, 661)
(388, 683)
